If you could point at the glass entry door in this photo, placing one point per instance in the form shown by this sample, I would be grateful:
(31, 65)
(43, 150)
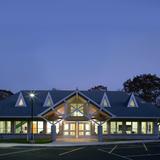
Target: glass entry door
(69, 129)
(77, 129)
(84, 129)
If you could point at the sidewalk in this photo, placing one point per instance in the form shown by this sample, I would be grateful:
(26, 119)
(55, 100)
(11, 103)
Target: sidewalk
(69, 144)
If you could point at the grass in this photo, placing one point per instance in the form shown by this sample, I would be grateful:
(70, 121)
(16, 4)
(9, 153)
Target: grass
(37, 141)
(114, 140)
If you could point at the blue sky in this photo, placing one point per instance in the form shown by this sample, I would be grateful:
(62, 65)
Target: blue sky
(66, 44)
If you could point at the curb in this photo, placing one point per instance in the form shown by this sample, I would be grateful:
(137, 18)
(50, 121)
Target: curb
(56, 144)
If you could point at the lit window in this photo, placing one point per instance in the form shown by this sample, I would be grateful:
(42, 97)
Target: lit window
(66, 126)
(105, 101)
(5, 126)
(20, 102)
(21, 127)
(87, 126)
(48, 102)
(132, 102)
(150, 127)
(147, 127)
(131, 127)
(37, 127)
(143, 127)
(72, 126)
(104, 126)
(116, 127)
(49, 127)
(88, 133)
(77, 110)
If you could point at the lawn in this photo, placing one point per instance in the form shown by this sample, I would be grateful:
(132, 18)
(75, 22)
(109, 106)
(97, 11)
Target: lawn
(37, 141)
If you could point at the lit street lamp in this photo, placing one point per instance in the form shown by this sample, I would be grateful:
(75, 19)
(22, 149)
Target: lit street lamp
(32, 95)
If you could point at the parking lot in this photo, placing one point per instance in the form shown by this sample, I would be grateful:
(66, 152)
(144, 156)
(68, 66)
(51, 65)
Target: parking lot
(139, 151)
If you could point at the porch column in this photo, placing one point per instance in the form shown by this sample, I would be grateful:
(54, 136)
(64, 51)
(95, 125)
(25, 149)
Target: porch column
(124, 127)
(155, 129)
(139, 127)
(53, 132)
(108, 127)
(29, 129)
(100, 134)
(44, 127)
(13, 130)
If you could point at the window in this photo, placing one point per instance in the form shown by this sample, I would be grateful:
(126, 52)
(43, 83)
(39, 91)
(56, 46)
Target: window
(5, 127)
(143, 127)
(49, 127)
(132, 102)
(131, 127)
(37, 127)
(69, 128)
(150, 127)
(104, 128)
(40, 126)
(21, 127)
(116, 127)
(105, 101)
(84, 128)
(20, 102)
(147, 127)
(77, 110)
(48, 102)
(96, 127)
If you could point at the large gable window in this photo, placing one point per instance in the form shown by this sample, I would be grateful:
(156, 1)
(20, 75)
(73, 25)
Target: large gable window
(77, 110)
(132, 102)
(48, 102)
(20, 102)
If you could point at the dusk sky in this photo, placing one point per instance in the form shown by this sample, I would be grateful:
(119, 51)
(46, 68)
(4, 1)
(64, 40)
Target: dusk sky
(66, 44)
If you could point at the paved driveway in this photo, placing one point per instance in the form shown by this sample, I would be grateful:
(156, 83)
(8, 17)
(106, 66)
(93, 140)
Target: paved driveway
(140, 151)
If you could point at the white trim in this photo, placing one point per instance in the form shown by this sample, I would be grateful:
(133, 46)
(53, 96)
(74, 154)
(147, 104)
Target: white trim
(96, 104)
(52, 107)
(48, 97)
(105, 98)
(132, 97)
(137, 118)
(38, 116)
(20, 97)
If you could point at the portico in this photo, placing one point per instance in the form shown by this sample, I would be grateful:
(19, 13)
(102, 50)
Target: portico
(76, 117)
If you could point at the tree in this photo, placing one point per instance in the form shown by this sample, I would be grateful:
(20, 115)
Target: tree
(146, 86)
(4, 94)
(98, 88)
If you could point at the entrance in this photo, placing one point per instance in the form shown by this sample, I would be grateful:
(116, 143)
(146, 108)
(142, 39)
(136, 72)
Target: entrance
(76, 129)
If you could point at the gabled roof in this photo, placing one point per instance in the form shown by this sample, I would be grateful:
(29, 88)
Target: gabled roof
(118, 100)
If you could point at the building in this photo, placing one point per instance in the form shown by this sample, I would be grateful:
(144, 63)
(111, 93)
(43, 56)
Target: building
(78, 114)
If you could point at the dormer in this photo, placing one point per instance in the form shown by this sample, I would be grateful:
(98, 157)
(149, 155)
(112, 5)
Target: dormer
(132, 101)
(48, 101)
(105, 101)
(20, 101)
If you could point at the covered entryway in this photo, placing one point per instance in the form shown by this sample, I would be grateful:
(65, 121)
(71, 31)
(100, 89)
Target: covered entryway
(79, 117)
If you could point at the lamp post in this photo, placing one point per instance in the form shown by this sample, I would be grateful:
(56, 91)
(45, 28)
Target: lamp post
(32, 95)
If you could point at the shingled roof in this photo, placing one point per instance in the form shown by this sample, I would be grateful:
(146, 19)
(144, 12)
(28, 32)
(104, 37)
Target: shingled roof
(118, 101)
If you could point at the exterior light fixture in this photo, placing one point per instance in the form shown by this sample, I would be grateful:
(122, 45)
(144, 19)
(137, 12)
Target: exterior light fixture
(32, 95)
